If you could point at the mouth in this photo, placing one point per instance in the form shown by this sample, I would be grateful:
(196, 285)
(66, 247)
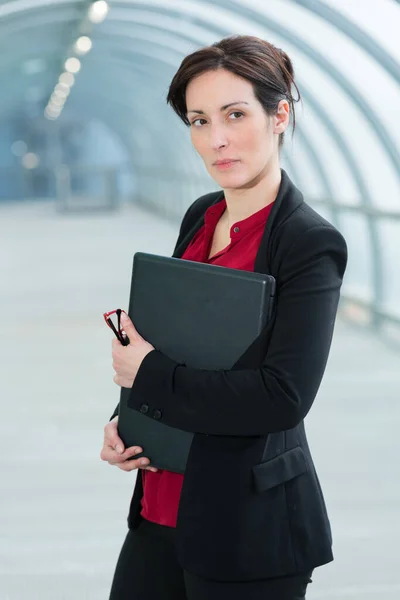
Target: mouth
(223, 166)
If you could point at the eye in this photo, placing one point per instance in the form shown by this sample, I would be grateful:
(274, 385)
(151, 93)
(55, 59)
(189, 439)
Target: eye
(237, 112)
(195, 121)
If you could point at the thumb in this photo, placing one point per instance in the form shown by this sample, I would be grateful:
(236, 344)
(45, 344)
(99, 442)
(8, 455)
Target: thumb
(119, 446)
(129, 327)
(115, 442)
(112, 438)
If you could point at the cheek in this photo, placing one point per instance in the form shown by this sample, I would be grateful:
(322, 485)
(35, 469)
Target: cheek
(198, 143)
(255, 144)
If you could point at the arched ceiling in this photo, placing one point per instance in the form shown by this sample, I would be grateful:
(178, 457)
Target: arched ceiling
(156, 30)
(346, 59)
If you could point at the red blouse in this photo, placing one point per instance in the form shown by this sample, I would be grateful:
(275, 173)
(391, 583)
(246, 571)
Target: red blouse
(162, 490)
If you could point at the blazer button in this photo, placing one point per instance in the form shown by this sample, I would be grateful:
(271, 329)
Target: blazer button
(236, 229)
(157, 414)
(144, 409)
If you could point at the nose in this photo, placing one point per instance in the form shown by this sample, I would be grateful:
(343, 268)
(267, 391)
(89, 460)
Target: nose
(218, 138)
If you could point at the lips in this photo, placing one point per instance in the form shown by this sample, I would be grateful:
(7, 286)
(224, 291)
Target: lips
(225, 164)
(226, 161)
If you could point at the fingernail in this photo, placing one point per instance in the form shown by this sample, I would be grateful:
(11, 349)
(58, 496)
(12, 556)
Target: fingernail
(119, 449)
(137, 450)
(144, 462)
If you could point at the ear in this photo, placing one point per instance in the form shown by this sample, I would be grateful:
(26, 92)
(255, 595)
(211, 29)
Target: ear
(281, 117)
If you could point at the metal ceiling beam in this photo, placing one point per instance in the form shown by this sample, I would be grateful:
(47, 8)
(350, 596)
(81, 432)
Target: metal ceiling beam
(357, 35)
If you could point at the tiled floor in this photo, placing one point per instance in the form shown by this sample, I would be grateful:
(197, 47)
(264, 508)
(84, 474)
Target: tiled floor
(63, 511)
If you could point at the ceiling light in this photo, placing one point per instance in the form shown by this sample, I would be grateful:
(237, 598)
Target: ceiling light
(30, 160)
(62, 87)
(67, 78)
(60, 93)
(19, 148)
(83, 45)
(98, 11)
(53, 110)
(73, 65)
(57, 101)
(50, 116)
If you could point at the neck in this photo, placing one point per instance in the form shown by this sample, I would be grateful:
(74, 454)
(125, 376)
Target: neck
(243, 202)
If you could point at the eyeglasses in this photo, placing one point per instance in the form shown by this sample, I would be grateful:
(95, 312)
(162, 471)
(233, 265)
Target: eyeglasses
(122, 337)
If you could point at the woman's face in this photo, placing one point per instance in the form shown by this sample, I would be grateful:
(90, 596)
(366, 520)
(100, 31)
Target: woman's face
(241, 132)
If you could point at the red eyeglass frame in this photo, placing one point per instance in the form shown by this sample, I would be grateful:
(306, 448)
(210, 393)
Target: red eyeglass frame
(122, 337)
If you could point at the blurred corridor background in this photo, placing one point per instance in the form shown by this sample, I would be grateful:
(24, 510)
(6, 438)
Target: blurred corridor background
(95, 166)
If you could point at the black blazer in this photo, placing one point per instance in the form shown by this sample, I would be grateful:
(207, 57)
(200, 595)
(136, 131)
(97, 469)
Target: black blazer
(251, 504)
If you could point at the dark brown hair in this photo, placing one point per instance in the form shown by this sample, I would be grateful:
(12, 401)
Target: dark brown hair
(267, 68)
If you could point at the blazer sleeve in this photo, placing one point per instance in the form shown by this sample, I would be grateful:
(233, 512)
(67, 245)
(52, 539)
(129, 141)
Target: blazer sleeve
(278, 395)
(185, 224)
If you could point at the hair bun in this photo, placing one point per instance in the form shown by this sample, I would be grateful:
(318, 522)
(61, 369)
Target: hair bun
(288, 71)
(288, 63)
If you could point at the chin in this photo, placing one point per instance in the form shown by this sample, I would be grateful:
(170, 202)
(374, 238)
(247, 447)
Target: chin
(234, 183)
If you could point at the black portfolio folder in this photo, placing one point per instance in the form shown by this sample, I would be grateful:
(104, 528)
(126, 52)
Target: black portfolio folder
(202, 315)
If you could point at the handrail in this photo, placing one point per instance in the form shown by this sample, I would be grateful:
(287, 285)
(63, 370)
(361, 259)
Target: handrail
(169, 192)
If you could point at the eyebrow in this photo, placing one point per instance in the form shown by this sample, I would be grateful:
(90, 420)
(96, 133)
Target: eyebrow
(201, 112)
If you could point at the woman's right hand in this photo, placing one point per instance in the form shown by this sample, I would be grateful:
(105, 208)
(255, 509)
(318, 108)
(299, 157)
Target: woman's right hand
(114, 452)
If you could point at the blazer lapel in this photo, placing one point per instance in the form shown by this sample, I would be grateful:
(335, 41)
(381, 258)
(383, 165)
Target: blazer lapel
(288, 199)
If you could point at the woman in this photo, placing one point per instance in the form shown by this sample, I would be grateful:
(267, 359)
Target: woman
(252, 521)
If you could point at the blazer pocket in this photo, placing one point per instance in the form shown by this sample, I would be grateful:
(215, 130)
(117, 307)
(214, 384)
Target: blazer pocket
(279, 469)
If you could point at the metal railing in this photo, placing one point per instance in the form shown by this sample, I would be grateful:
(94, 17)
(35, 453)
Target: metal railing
(168, 193)
(74, 188)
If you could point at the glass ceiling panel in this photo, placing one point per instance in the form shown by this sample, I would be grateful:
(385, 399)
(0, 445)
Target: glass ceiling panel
(374, 18)
(15, 6)
(347, 140)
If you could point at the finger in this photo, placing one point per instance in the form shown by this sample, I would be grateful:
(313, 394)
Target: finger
(114, 442)
(129, 328)
(116, 445)
(111, 431)
(131, 465)
(110, 455)
(131, 451)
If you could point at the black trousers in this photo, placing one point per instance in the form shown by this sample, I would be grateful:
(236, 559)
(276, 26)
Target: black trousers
(147, 569)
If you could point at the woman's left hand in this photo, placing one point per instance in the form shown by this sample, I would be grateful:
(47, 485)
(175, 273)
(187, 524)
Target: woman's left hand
(127, 359)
